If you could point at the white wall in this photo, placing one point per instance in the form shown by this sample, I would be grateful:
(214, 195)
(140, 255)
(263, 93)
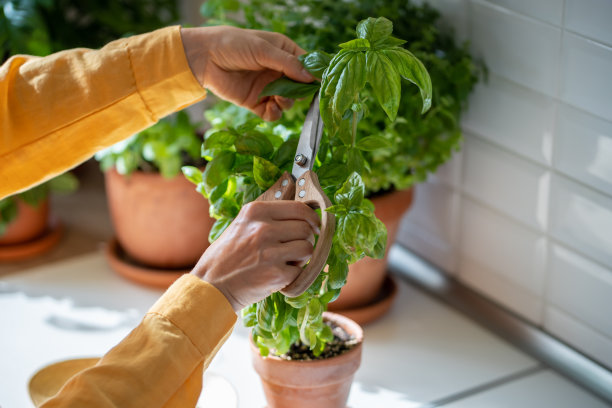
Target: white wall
(524, 213)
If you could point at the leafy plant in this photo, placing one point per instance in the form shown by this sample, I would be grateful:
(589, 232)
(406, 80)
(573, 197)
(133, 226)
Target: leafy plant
(64, 183)
(417, 144)
(41, 27)
(246, 160)
(164, 147)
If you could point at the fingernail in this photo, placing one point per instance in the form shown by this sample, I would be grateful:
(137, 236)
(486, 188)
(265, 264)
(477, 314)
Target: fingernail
(307, 75)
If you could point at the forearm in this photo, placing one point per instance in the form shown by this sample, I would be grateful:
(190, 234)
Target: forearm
(160, 363)
(56, 111)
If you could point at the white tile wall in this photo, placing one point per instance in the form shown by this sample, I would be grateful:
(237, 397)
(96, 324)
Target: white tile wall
(585, 79)
(583, 147)
(512, 116)
(582, 219)
(506, 182)
(590, 18)
(518, 48)
(534, 227)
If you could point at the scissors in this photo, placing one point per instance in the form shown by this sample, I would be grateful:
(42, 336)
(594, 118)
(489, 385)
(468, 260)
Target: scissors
(303, 185)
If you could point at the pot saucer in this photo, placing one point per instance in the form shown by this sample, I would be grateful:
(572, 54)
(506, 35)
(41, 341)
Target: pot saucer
(375, 309)
(217, 391)
(144, 275)
(34, 247)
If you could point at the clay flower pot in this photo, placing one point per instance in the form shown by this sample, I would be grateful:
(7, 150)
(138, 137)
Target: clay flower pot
(31, 223)
(311, 384)
(161, 223)
(367, 276)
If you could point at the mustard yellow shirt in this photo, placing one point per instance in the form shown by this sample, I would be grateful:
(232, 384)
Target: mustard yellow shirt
(56, 112)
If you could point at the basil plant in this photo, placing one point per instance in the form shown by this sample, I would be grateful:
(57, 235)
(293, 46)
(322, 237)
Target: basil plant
(246, 160)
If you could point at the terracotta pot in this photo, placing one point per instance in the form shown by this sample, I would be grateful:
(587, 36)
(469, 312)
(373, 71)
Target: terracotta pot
(31, 223)
(366, 277)
(163, 223)
(311, 384)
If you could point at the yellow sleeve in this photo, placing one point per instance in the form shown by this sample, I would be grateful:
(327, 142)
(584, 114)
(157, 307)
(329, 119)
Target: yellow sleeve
(57, 111)
(160, 363)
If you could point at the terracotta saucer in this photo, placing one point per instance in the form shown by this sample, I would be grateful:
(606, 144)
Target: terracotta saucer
(34, 247)
(377, 308)
(144, 275)
(217, 391)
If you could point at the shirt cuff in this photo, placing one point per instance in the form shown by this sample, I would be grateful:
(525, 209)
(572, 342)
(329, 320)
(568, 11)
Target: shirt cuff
(163, 77)
(199, 310)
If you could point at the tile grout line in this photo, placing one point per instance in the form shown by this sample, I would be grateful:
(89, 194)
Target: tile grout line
(485, 387)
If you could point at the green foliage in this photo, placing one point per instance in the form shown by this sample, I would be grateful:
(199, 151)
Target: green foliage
(64, 183)
(248, 158)
(417, 144)
(164, 147)
(41, 27)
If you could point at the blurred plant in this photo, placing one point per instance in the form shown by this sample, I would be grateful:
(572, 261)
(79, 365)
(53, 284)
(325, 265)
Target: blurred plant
(164, 147)
(41, 27)
(64, 183)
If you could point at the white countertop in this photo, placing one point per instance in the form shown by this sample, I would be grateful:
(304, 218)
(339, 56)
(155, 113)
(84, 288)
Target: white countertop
(421, 352)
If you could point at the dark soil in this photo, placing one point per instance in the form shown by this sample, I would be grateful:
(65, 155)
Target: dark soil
(342, 343)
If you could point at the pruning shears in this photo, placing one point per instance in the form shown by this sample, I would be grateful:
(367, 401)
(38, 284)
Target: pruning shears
(303, 185)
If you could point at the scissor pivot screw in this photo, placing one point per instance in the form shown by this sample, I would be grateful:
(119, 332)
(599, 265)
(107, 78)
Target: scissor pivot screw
(300, 160)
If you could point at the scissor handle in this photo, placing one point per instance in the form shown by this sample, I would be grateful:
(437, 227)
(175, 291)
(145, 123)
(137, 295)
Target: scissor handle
(283, 189)
(308, 190)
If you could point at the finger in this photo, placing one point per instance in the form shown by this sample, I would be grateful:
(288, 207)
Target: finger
(284, 103)
(293, 230)
(281, 41)
(294, 210)
(296, 252)
(271, 111)
(272, 57)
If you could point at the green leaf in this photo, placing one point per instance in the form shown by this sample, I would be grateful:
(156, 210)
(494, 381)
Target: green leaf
(217, 229)
(374, 29)
(192, 174)
(355, 161)
(35, 196)
(371, 143)
(289, 88)
(351, 193)
(338, 271)
(219, 140)
(329, 85)
(8, 213)
(332, 173)
(315, 62)
(360, 44)
(385, 82)
(265, 314)
(352, 81)
(412, 69)
(254, 144)
(286, 152)
(64, 183)
(390, 42)
(218, 191)
(265, 173)
(298, 302)
(218, 169)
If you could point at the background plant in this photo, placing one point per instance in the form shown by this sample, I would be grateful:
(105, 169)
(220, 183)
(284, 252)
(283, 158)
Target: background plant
(164, 147)
(418, 144)
(246, 160)
(64, 183)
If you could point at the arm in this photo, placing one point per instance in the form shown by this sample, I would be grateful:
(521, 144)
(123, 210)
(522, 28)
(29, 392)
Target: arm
(57, 111)
(160, 364)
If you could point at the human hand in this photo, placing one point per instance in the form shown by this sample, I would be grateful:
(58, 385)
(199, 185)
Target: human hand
(236, 64)
(261, 252)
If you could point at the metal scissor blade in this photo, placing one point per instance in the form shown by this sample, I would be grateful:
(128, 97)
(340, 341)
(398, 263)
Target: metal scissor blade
(310, 138)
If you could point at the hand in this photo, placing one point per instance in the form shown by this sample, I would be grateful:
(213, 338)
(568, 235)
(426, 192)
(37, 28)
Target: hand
(236, 64)
(261, 252)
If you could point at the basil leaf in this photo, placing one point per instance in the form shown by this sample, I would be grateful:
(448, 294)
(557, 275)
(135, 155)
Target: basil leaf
(360, 44)
(338, 271)
(192, 174)
(331, 173)
(217, 229)
(412, 69)
(351, 81)
(218, 169)
(219, 140)
(265, 313)
(351, 193)
(389, 42)
(289, 88)
(253, 145)
(286, 152)
(218, 191)
(374, 29)
(64, 183)
(385, 82)
(298, 302)
(371, 143)
(316, 62)
(265, 173)
(328, 87)
(355, 161)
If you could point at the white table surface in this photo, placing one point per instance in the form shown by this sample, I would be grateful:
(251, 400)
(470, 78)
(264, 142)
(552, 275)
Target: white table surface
(420, 352)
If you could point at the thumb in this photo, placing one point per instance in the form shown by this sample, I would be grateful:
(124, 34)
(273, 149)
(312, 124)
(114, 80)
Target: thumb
(279, 60)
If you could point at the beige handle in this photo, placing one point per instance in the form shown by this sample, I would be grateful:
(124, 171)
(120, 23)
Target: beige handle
(308, 190)
(283, 189)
